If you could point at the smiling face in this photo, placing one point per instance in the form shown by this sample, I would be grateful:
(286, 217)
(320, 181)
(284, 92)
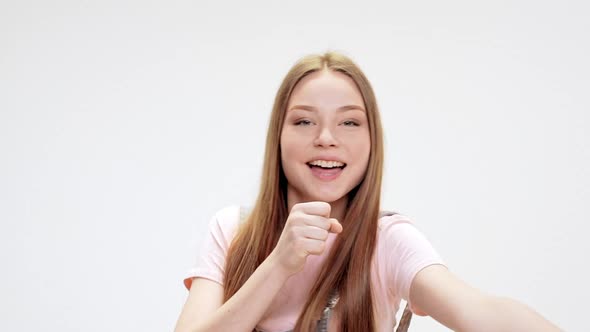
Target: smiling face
(325, 140)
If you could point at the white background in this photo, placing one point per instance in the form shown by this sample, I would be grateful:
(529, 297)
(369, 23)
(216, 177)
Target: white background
(124, 126)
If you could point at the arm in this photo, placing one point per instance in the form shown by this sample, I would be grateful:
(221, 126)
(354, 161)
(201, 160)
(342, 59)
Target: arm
(304, 233)
(461, 307)
(204, 309)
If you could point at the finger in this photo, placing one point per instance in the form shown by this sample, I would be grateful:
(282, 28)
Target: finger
(315, 233)
(313, 247)
(316, 221)
(335, 226)
(314, 208)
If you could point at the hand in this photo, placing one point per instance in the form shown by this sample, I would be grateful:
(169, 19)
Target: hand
(305, 233)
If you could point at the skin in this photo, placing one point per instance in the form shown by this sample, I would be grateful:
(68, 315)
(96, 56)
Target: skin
(316, 206)
(315, 125)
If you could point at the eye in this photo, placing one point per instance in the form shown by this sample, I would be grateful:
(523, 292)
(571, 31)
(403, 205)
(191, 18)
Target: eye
(303, 123)
(350, 123)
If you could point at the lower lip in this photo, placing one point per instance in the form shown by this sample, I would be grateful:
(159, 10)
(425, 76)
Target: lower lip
(326, 174)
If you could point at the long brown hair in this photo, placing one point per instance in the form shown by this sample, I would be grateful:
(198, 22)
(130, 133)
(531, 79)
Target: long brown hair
(347, 269)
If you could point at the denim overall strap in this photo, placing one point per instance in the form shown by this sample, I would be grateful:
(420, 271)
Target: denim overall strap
(323, 322)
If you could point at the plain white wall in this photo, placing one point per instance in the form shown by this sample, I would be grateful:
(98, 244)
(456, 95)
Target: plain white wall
(125, 125)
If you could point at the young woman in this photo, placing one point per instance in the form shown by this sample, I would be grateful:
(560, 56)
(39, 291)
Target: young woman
(313, 252)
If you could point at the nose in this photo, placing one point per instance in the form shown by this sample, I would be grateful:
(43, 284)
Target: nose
(325, 138)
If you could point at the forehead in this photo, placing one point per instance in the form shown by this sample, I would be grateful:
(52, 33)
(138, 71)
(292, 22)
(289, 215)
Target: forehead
(326, 89)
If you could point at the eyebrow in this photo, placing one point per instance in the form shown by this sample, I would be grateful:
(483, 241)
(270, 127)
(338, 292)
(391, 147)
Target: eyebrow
(341, 109)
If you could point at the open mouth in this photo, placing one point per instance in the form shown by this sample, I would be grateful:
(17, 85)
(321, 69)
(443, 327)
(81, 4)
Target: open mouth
(326, 167)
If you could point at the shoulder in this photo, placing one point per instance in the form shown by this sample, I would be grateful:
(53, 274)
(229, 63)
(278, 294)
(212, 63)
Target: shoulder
(228, 214)
(399, 240)
(399, 229)
(394, 231)
(393, 222)
(402, 251)
(225, 222)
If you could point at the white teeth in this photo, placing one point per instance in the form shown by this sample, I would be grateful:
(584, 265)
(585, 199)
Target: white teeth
(326, 164)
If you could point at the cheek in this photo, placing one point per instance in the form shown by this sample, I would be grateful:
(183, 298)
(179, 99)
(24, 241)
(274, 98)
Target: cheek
(289, 156)
(286, 149)
(360, 146)
(284, 145)
(291, 145)
(362, 151)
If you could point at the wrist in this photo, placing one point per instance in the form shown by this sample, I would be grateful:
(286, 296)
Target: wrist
(277, 269)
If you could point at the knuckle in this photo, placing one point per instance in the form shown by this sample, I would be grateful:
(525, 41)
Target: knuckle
(298, 207)
(321, 205)
(293, 219)
(297, 215)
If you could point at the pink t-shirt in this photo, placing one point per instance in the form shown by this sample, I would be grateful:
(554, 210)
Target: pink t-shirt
(401, 252)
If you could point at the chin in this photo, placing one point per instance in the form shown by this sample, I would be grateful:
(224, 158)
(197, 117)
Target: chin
(328, 197)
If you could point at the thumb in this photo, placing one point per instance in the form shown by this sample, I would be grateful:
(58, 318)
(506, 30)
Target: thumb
(335, 226)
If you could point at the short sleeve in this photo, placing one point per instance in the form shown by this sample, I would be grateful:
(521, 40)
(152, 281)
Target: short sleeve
(406, 251)
(210, 259)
